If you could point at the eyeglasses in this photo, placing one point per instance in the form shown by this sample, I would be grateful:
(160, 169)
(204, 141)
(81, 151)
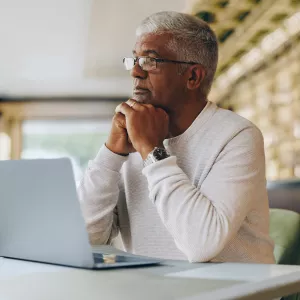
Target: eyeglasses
(150, 63)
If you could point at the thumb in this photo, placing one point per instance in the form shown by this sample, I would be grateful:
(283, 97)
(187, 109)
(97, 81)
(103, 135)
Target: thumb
(121, 120)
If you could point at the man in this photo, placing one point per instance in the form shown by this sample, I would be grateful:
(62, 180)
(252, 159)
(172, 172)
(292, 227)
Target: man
(178, 178)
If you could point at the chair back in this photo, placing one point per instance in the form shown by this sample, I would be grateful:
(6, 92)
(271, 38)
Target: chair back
(284, 194)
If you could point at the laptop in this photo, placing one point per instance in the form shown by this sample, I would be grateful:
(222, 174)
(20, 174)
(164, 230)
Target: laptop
(41, 219)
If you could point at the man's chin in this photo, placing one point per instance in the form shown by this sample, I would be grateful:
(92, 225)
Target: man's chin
(141, 98)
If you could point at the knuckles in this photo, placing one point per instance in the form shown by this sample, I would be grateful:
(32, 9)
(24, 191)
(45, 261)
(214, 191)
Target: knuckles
(141, 109)
(123, 105)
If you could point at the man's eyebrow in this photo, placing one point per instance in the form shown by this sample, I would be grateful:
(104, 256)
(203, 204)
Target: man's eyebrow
(150, 51)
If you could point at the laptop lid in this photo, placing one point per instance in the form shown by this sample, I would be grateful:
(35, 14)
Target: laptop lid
(40, 216)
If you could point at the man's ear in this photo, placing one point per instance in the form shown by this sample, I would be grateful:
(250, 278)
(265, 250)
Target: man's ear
(196, 75)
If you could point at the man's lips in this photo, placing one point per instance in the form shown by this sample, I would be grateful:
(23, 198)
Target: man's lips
(139, 90)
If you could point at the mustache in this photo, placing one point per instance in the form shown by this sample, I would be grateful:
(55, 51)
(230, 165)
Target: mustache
(138, 83)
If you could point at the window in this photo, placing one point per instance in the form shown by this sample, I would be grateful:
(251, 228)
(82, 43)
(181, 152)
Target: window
(4, 146)
(78, 140)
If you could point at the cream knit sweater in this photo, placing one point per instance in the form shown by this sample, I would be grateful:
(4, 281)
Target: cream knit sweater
(207, 202)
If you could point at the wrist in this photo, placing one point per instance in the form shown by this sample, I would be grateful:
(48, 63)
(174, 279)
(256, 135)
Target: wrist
(148, 149)
(114, 150)
(157, 154)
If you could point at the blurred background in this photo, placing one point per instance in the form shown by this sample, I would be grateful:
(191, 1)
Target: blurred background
(61, 72)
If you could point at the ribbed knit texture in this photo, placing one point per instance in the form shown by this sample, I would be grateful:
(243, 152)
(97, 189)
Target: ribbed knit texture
(207, 202)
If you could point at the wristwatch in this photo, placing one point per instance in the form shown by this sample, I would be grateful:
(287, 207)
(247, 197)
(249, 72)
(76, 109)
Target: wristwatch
(155, 155)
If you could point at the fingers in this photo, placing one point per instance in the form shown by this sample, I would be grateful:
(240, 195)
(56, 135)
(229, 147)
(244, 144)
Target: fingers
(124, 109)
(129, 106)
(120, 120)
(136, 105)
(131, 102)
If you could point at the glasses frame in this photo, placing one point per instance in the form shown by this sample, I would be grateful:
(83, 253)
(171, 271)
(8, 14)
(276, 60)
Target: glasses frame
(157, 60)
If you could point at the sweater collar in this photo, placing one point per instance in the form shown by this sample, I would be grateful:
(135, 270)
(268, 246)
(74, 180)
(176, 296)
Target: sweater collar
(200, 120)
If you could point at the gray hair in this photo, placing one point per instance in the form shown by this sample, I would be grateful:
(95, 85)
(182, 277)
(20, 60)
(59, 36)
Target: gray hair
(193, 40)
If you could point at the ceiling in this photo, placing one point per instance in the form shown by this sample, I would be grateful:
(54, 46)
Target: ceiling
(250, 33)
(241, 24)
(70, 47)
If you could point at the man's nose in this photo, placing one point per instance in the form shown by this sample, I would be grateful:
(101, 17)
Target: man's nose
(138, 72)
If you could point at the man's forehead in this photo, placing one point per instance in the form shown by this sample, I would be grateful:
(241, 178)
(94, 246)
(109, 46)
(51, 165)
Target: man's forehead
(152, 43)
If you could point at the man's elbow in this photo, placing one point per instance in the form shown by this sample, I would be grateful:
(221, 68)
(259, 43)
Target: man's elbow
(204, 251)
(201, 256)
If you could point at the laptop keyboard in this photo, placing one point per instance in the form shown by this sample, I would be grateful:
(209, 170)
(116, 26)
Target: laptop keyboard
(109, 258)
(113, 258)
(98, 258)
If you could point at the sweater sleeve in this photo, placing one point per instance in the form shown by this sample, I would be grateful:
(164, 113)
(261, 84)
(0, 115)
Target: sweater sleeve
(202, 220)
(99, 193)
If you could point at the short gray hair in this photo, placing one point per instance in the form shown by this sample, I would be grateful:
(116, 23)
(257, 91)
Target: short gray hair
(193, 40)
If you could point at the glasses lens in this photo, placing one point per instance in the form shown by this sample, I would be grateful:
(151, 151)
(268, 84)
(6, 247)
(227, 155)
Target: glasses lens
(128, 63)
(147, 63)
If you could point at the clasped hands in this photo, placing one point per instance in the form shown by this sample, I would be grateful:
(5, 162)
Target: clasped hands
(137, 127)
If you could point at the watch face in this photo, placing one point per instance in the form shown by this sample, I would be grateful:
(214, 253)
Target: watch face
(160, 153)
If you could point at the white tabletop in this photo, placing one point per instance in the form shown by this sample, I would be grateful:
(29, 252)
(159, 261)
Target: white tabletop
(172, 280)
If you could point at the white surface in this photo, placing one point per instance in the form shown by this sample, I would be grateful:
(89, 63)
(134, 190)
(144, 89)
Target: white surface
(237, 271)
(25, 280)
(76, 284)
(10, 268)
(266, 289)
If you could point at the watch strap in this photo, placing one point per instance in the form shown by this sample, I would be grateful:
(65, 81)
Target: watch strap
(151, 156)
